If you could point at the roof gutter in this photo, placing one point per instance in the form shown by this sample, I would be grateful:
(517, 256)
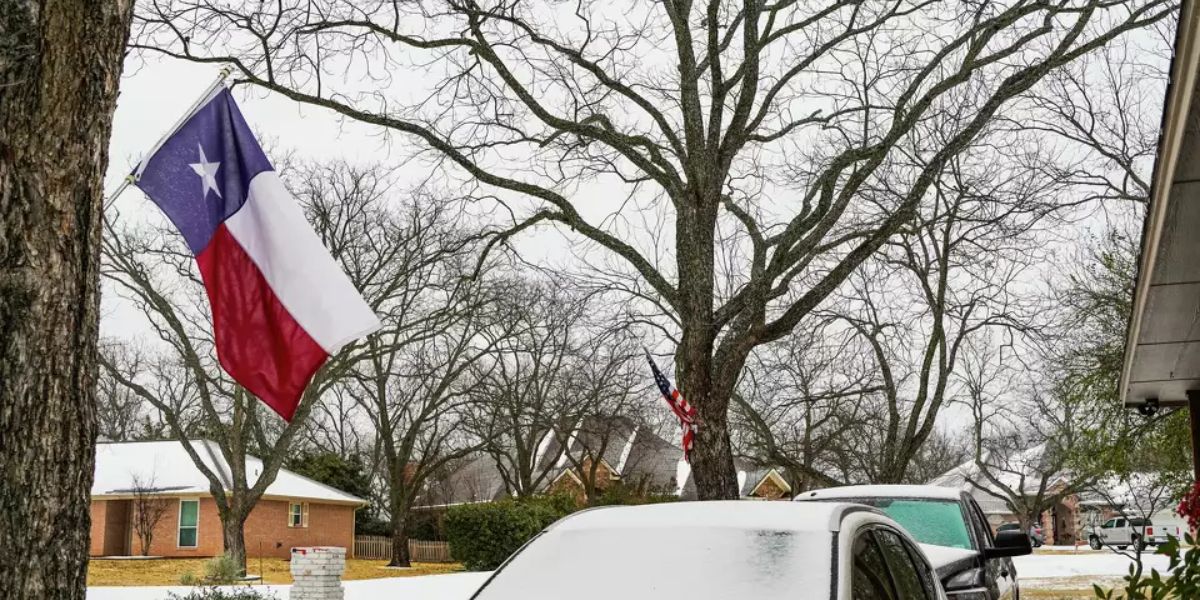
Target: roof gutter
(1175, 112)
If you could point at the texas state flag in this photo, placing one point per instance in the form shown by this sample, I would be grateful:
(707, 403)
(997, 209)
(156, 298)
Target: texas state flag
(280, 304)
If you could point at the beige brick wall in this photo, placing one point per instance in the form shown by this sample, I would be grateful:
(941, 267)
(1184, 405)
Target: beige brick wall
(267, 533)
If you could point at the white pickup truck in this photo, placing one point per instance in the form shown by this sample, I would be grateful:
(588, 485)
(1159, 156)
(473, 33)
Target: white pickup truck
(1123, 532)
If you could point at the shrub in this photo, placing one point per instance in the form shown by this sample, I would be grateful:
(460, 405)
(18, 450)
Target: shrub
(222, 570)
(189, 578)
(214, 593)
(426, 525)
(482, 536)
(621, 494)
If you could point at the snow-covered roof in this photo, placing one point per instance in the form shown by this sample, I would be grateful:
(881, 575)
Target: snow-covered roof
(1021, 469)
(882, 491)
(167, 468)
(759, 516)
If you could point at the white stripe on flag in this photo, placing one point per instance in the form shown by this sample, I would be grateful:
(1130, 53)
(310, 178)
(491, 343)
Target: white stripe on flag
(271, 228)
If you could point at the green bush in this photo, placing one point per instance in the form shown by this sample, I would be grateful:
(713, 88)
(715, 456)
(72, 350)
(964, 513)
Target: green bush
(189, 578)
(213, 593)
(221, 570)
(482, 536)
(620, 494)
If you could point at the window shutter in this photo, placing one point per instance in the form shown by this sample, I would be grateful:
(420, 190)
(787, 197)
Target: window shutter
(304, 518)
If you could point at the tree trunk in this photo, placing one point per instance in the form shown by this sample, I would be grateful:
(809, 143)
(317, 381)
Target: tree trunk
(60, 63)
(712, 455)
(233, 531)
(400, 555)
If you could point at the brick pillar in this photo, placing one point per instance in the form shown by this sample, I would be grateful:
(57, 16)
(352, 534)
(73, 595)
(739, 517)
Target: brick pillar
(317, 572)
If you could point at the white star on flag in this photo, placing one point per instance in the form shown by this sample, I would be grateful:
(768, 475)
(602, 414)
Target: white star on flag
(207, 172)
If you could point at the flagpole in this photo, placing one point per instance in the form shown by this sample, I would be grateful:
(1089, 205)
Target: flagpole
(133, 177)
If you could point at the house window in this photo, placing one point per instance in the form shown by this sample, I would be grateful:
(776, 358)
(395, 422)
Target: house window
(189, 523)
(297, 514)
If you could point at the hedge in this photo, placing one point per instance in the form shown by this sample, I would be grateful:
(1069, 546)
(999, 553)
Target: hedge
(482, 536)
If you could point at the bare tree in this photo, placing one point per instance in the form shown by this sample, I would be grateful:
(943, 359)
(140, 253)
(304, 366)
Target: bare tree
(1018, 444)
(148, 508)
(123, 416)
(526, 395)
(608, 388)
(954, 275)
(763, 123)
(409, 388)
(802, 405)
(1099, 119)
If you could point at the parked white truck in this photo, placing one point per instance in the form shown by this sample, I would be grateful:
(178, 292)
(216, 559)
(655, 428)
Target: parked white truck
(1123, 532)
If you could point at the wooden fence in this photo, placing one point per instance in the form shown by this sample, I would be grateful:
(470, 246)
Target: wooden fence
(377, 547)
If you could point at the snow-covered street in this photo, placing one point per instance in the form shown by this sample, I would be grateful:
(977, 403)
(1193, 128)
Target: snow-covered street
(1051, 568)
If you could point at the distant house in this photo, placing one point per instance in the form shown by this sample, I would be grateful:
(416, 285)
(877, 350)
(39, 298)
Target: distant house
(633, 455)
(1070, 519)
(294, 510)
(1061, 524)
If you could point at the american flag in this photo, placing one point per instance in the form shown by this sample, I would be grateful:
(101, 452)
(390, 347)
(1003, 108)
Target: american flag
(679, 405)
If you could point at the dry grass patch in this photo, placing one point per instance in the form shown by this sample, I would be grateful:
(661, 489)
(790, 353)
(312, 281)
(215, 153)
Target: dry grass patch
(167, 571)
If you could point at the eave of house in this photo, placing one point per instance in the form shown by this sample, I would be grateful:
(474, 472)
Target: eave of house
(1162, 355)
(193, 493)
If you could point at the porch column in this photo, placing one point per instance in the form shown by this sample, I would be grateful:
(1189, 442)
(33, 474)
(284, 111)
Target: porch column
(1194, 419)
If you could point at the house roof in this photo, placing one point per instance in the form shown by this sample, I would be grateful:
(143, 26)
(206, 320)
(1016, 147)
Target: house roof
(633, 452)
(968, 477)
(166, 467)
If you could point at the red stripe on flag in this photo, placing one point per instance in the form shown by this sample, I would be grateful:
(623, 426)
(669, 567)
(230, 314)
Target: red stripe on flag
(258, 342)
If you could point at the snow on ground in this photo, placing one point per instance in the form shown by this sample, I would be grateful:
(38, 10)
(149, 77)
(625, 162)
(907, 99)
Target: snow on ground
(1067, 569)
(1070, 564)
(458, 586)
(1051, 568)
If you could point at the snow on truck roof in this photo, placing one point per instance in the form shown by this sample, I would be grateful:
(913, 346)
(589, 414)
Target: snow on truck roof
(882, 491)
(733, 514)
(167, 468)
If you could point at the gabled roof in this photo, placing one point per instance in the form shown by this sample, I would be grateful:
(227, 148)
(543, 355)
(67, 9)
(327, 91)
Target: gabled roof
(166, 467)
(632, 451)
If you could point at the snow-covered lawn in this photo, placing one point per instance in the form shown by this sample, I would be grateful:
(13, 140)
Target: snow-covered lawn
(457, 586)
(1065, 569)
(1060, 569)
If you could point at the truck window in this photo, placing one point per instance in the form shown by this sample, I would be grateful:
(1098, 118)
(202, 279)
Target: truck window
(1120, 523)
(1109, 524)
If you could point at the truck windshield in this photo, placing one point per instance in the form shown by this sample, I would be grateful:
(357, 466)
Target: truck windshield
(937, 522)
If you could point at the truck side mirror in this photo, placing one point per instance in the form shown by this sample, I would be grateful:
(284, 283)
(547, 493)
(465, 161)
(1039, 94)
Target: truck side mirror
(1009, 543)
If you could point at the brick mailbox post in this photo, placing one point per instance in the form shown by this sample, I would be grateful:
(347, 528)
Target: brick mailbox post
(317, 572)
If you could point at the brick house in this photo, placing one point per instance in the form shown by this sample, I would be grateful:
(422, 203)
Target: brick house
(1068, 520)
(294, 510)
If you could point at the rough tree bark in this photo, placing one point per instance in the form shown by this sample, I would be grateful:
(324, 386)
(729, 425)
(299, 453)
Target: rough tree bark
(400, 509)
(60, 62)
